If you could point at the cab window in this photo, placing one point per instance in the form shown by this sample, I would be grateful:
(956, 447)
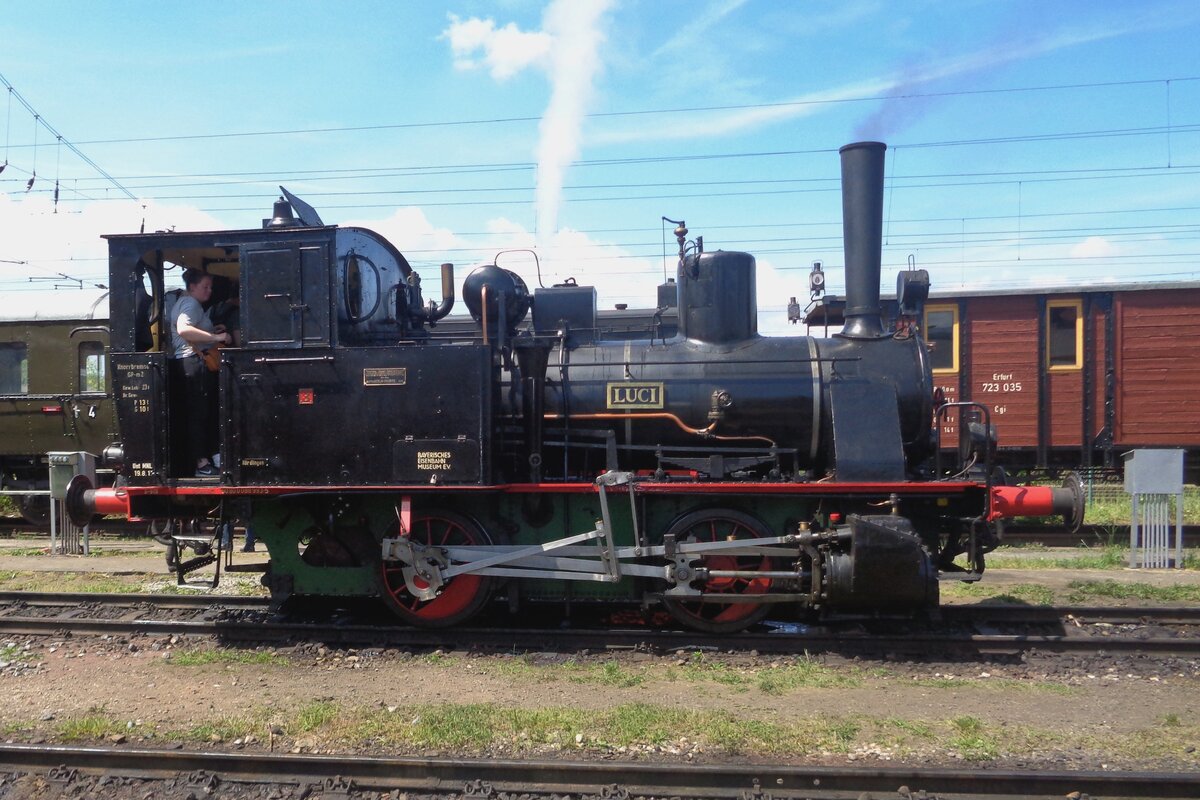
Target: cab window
(941, 334)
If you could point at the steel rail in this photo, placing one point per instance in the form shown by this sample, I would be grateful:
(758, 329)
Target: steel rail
(124, 600)
(813, 641)
(609, 778)
(976, 613)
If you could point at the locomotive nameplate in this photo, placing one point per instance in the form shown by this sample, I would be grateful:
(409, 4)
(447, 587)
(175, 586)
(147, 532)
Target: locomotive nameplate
(385, 376)
(630, 395)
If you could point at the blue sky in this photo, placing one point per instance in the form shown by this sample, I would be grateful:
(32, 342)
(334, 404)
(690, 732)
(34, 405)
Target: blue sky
(1031, 142)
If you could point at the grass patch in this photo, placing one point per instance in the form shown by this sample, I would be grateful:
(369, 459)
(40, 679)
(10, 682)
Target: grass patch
(1107, 557)
(517, 667)
(1075, 592)
(913, 728)
(11, 653)
(92, 582)
(609, 673)
(1117, 510)
(1080, 591)
(488, 728)
(224, 655)
(311, 717)
(970, 738)
(438, 658)
(699, 667)
(94, 552)
(806, 673)
(95, 724)
(485, 726)
(643, 723)
(225, 731)
(1019, 594)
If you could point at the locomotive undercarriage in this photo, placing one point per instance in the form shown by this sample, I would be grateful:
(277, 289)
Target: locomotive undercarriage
(718, 567)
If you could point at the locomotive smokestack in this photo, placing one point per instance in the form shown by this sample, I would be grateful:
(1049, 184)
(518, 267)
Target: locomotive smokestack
(862, 235)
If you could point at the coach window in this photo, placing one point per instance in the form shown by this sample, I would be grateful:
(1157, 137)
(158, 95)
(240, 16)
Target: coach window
(941, 334)
(14, 368)
(91, 368)
(1064, 335)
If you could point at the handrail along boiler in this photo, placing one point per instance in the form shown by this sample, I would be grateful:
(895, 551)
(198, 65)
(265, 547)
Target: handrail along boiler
(712, 470)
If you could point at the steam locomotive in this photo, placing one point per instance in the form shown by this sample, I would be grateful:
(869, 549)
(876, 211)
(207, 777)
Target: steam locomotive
(711, 470)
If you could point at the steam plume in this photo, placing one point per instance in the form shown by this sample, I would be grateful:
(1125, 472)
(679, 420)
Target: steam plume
(576, 28)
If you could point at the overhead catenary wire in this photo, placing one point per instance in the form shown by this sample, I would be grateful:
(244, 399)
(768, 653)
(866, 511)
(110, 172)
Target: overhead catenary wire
(40, 121)
(1013, 175)
(800, 103)
(7, 127)
(926, 240)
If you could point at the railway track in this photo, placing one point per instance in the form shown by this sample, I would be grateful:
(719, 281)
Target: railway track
(962, 630)
(347, 775)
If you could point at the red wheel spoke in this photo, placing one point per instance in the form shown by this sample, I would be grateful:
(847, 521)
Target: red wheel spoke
(458, 597)
(714, 615)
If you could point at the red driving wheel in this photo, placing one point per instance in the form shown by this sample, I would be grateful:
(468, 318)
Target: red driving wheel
(461, 596)
(713, 616)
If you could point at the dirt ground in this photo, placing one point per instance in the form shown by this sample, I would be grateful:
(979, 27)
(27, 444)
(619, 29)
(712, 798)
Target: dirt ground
(1126, 712)
(1118, 713)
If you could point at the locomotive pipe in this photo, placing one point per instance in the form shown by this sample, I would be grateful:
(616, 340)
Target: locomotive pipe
(862, 236)
(706, 433)
(532, 362)
(447, 291)
(435, 313)
(1040, 501)
(83, 502)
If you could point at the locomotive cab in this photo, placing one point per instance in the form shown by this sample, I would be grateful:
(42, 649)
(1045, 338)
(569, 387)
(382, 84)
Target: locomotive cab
(289, 294)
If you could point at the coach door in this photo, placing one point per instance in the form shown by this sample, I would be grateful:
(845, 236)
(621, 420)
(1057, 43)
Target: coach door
(285, 296)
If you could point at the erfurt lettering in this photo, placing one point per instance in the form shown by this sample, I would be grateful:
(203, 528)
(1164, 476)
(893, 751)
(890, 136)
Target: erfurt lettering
(635, 395)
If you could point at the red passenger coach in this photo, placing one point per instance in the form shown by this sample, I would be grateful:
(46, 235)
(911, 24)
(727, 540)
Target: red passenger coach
(1073, 376)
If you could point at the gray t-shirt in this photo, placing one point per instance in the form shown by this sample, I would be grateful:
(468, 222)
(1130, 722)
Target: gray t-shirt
(193, 313)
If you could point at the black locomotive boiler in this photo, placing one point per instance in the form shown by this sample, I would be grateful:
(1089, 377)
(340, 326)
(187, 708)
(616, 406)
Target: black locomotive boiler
(712, 470)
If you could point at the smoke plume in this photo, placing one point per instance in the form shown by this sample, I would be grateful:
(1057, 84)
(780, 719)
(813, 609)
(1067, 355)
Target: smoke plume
(576, 28)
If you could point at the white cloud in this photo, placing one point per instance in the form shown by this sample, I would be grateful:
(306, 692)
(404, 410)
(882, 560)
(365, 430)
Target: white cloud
(412, 233)
(48, 244)
(1094, 247)
(506, 50)
(692, 31)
